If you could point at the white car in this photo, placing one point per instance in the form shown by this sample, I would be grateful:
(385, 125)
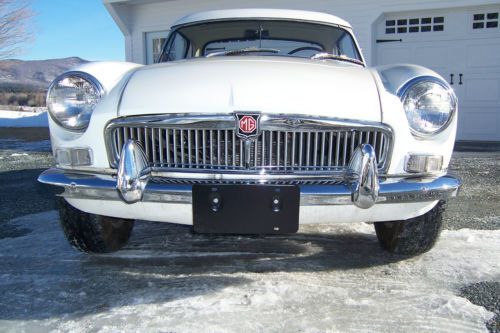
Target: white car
(255, 121)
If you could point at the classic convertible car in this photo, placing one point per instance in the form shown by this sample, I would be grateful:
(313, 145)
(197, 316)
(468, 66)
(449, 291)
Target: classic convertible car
(253, 122)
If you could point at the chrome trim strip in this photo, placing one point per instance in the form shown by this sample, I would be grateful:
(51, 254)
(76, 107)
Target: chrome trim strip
(202, 174)
(103, 187)
(293, 123)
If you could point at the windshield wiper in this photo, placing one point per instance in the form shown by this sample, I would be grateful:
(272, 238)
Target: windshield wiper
(242, 51)
(322, 56)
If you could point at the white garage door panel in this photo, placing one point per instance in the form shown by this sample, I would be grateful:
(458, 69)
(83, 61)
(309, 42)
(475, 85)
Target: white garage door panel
(481, 90)
(426, 56)
(394, 55)
(483, 55)
(471, 55)
(487, 121)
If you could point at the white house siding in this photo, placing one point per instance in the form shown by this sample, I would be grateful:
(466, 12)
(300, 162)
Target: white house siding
(137, 18)
(362, 14)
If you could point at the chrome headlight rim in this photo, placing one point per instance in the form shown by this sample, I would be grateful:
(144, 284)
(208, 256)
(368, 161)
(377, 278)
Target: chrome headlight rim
(443, 84)
(82, 75)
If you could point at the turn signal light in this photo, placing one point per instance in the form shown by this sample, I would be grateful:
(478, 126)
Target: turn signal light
(73, 156)
(423, 163)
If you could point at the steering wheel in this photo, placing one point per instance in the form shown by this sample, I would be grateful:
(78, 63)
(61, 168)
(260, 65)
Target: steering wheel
(304, 48)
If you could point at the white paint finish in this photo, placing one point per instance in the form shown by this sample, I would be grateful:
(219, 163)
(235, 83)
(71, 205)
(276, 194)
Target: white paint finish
(108, 73)
(182, 213)
(265, 84)
(327, 84)
(299, 15)
(457, 50)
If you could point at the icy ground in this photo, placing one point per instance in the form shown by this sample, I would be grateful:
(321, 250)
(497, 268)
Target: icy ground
(23, 119)
(324, 279)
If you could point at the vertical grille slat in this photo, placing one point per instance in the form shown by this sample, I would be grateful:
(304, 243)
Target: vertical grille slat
(119, 140)
(353, 142)
(278, 150)
(263, 153)
(196, 148)
(308, 152)
(274, 150)
(234, 149)
(270, 162)
(226, 152)
(211, 143)
(285, 159)
(300, 147)
(330, 149)
(153, 145)
(337, 150)
(125, 135)
(146, 142)
(344, 160)
(323, 151)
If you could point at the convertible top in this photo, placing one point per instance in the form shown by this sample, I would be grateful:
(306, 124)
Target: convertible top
(276, 14)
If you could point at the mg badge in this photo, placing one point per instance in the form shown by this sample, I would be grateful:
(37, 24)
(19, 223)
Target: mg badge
(247, 124)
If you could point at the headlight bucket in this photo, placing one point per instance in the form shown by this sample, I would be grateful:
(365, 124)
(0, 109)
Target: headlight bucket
(429, 105)
(71, 99)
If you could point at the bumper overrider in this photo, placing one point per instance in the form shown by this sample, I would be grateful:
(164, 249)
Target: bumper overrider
(361, 187)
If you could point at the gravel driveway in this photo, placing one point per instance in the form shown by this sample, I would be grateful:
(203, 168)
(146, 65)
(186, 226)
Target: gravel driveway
(323, 279)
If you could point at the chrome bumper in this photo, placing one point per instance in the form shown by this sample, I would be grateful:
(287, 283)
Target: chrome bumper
(362, 186)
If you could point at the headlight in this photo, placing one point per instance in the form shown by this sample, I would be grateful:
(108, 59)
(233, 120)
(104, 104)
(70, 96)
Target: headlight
(72, 98)
(429, 105)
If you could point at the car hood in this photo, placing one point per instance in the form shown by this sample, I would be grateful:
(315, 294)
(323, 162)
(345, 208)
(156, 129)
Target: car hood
(264, 84)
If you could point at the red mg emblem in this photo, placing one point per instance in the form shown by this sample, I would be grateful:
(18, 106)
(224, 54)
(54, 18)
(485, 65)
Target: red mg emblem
(247, 124)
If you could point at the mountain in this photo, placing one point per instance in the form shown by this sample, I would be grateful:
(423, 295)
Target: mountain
(20, 75)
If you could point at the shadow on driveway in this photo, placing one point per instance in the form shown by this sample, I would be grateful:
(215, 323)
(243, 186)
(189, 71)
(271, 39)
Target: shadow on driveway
(42, 277)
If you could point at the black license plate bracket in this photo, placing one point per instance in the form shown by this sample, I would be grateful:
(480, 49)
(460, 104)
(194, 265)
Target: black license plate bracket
(246, 209)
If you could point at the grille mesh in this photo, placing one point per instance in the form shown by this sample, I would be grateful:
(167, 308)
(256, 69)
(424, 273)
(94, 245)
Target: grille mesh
(273, 151)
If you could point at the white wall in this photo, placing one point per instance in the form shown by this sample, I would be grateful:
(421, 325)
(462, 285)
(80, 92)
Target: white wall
(140, 18)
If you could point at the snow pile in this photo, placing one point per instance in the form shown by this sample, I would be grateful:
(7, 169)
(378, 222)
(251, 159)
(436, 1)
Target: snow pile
(23, 119)
(325, 279)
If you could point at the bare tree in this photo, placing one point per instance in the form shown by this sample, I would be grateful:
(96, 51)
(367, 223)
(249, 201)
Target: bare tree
(15, 26)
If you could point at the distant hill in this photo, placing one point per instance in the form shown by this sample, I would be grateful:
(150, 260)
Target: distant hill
(20, 75)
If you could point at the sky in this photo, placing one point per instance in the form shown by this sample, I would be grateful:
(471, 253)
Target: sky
(67, 28)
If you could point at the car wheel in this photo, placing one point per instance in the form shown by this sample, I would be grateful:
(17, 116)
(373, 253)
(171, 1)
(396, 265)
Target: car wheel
(92, 233)
(413, 236)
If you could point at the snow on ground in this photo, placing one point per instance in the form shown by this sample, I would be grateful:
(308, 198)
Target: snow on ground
(23, 119)
(324, 279)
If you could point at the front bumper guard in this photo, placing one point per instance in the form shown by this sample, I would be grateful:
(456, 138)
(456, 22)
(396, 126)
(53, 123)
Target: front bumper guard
(362, 186)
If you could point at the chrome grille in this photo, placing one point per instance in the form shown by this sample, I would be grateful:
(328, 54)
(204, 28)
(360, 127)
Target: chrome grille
(215, 146)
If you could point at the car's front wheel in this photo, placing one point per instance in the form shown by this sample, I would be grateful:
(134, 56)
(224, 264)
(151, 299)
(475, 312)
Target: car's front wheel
(92, 233)
(413, 236)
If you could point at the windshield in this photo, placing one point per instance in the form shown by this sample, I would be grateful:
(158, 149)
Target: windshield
(259, 37)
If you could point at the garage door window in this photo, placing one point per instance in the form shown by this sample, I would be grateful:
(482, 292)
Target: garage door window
(414, 25)
(485, 21)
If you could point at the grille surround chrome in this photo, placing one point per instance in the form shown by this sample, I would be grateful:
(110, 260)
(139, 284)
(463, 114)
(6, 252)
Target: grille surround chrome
(221, 129)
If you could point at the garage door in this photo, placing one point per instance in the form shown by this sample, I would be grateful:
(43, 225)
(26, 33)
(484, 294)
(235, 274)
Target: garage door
(463, 45)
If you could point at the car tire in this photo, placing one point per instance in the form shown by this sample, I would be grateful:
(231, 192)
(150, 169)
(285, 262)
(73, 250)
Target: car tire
(413, 236)
(91, 233)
